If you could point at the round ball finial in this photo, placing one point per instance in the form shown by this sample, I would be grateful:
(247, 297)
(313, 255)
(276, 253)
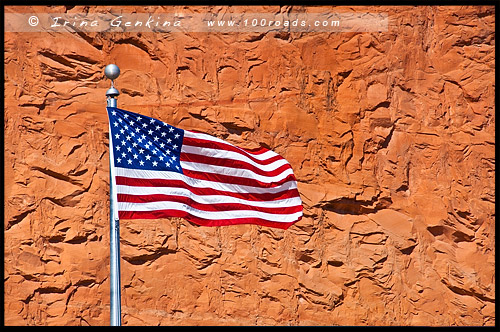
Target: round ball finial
(112, 71)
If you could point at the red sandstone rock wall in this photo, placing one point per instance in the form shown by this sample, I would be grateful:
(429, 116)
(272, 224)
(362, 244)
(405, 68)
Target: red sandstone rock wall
(391, 136)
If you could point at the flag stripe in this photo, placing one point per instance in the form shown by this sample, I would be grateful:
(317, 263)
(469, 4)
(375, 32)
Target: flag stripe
(161, 202)
(222, 215)
(202, 221)
(262, 159)
(133, 185)
(200, 175)
(203, 141)
(128, 194)
(270, 177)
(190, 153)
(148, 178)
(259, 152)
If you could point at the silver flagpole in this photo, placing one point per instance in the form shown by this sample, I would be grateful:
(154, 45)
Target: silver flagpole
(112, 72)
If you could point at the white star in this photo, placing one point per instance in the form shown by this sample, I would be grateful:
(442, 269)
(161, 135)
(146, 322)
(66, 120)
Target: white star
(132, 123)
(118, 160)
(141, 162)
(168, 151)
(176, 135)
(161, 158)
(162, 145)
(128, 138)
(139, 118)
(123, 154)
(171, 129)
(117, 136)
(141, 151)
(120, 120)
(152, 120)
(155, 163)
(137, 129)
(129, 149)
(169, 140)
(144, 125)
(123, 143)
(175, 147)
(135, 156)
(158, 127)
(134, 144)
(113, 112)
(125, 116)
(117, 148)
(150, 131)
(156, 139)
(116, 124)
(167, 164)
(163, 134)
(155, 151)
(148, 157)
(122, 131)
(174, 157)
(129, 161)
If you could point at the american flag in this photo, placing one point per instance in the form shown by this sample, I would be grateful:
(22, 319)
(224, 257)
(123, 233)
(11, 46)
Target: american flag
(162, 171)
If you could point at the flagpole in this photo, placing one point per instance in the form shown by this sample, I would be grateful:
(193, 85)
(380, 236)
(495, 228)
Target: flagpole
(112, 72)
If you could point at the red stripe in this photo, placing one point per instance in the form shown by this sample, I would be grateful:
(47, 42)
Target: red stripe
(215, 207)
(201, 221)
(201, 143)
(196, 158)
(254, 151)
(235, 179)
(134, 182)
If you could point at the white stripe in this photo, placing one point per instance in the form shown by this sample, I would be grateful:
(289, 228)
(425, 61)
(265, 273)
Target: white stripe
(212, 215)
(262, 156)
(216, 153)
(149, 174)
(238, 172)
(207, 199)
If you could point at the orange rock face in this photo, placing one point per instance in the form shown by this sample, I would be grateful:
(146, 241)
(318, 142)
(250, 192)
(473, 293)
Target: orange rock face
(391, 136)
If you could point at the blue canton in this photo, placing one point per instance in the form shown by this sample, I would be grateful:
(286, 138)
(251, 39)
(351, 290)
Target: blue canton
(145, 143)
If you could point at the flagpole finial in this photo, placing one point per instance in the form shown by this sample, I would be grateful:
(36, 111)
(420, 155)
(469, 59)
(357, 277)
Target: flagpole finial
(112, 72)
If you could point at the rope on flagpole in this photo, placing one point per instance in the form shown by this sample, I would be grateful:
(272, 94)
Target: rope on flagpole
(112, 72)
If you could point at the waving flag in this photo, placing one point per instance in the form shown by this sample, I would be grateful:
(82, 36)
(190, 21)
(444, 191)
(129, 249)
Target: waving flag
(162, 171)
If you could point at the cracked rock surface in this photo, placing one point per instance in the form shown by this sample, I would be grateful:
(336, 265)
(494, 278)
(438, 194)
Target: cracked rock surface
(391, 136)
